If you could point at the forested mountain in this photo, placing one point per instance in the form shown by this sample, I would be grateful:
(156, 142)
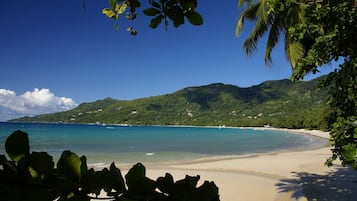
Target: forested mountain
(276, 103)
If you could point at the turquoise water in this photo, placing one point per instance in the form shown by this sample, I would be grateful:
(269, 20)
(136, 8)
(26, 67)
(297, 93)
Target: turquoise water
(106, 143)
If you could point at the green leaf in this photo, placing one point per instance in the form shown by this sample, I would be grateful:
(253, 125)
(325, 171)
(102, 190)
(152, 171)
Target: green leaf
(17, 145)
(165, 184)
(69, 165)
(108, 12)
(41, 165)
(155, 22)
(155, 4)
(151, 11)
(179, 21)
(239, 25)
(194, 18)
(354, 165)
(38, 194)
(133, 32)
(91, 181)
(176, 15)
(139, 186)
(117, 179)
(208, 191)
(294, 51)
(189, 181)
(144, 189)
(349, 152)
(84, 167)
(6, 165)
(135, 174)
(112, 4)
(120, 9)
(134, 3)
(189, 5)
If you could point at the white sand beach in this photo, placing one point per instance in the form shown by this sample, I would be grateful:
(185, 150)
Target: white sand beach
(290, 175)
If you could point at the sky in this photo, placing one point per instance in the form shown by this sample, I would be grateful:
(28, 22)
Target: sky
(55, 55)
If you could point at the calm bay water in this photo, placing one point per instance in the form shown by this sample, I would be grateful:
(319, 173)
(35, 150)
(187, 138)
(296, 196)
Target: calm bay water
(104, 143)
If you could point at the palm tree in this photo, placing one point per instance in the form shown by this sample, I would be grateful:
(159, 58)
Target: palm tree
(276, 22)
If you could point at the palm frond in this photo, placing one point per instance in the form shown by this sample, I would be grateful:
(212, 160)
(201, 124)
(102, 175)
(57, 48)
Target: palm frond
(249, 13)
(263, 10)
(239, 25)
(276, 23)
(294, 15)
(256, 12)
(273, 38)
(241, 3)
(258, 31)
(294, 50)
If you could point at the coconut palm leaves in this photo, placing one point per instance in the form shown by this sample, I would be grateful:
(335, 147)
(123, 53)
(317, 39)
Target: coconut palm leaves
(273, 18)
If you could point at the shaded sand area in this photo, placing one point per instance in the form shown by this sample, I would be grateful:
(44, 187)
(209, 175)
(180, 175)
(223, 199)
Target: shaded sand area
(290, 175)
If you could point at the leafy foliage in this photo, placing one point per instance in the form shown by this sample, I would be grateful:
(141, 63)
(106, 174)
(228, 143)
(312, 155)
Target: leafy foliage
(273, 19)
(175, 11)
(34, 177)
(327, 35)
(319, 32)
(277, 103)
(343, 95)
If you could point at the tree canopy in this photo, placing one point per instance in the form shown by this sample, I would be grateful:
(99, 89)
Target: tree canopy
(175, 11)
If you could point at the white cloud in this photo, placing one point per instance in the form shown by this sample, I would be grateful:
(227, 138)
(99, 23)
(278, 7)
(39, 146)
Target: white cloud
(38, 101)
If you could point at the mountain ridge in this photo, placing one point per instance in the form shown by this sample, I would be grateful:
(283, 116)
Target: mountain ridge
(279, 103)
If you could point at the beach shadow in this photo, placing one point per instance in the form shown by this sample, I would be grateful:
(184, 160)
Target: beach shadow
(337, 185)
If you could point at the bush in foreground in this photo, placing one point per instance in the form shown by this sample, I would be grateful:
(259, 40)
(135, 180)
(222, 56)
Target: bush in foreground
(33, 176)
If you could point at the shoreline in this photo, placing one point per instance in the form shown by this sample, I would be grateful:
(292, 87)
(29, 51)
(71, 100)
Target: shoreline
(217, 158)
(281, 175)
(199, 159)
(290, 175)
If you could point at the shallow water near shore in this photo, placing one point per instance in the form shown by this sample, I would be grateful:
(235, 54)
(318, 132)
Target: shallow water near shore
(103, 144)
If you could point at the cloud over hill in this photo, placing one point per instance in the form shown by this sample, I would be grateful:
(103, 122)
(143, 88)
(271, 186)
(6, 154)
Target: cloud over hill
(30, 103)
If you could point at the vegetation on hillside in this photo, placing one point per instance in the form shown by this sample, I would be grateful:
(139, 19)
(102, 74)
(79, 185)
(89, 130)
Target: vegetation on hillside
(276, 103)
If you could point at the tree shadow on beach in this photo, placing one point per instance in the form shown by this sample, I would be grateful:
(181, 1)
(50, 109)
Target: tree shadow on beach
(337, 185)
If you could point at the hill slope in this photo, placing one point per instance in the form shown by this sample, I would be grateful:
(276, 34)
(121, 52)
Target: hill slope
(278, 103)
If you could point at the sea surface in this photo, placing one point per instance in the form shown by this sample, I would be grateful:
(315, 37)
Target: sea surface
(103, 144)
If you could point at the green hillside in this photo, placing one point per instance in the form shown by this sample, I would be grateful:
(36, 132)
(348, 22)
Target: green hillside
(276, 103)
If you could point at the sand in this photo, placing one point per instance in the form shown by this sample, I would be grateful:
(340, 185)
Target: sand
(284, 176)
(291, 175)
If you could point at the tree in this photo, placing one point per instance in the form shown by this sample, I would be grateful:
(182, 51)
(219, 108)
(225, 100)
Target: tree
(320, 31)
(274, 21)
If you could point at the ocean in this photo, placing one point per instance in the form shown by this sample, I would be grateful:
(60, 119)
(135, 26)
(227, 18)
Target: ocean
(103, 144)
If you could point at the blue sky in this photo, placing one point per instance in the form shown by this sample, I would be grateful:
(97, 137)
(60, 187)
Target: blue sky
(75, 56)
